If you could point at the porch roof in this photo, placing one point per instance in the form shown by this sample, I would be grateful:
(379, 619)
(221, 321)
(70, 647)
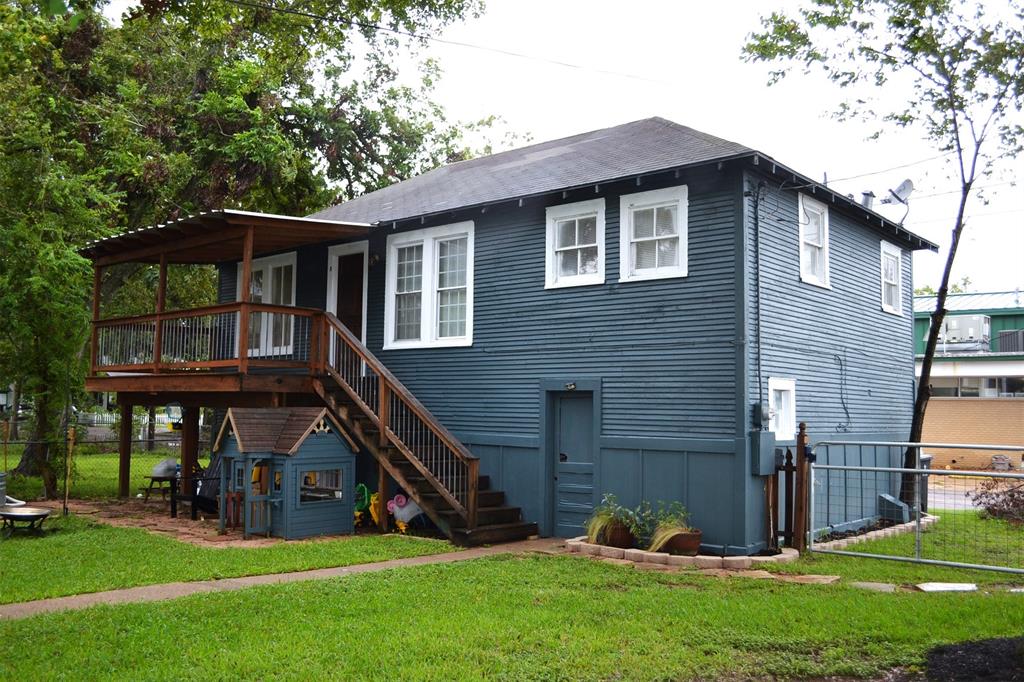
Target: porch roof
(216, 236)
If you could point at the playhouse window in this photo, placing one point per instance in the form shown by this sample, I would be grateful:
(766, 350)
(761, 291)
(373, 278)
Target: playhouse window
(320, 485)
(429, 299)
(812, 222)
(575, 244)
(891, 275)
(653, 234)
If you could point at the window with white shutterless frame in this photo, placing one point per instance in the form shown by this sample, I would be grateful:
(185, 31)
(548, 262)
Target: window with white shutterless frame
(892, 277)
(782, 407)
(429, 288)
(575, 244)
(653, 234)
(812, 224)
(272, 280)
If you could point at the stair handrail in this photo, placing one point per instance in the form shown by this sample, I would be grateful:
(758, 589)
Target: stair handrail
(391, 385)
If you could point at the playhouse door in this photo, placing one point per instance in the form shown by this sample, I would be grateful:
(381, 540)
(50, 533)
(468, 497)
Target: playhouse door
(257, 499)
(573, 444)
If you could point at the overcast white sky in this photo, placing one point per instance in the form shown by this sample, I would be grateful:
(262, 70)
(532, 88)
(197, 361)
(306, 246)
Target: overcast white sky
(688, 52)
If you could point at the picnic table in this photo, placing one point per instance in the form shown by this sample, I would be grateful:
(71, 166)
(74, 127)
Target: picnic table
(159, 482)
(32, 517)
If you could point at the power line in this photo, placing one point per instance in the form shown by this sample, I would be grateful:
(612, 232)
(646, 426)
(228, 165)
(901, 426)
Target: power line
(447, 41)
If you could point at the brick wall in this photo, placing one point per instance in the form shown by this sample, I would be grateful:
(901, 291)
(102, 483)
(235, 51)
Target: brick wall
(998, 421)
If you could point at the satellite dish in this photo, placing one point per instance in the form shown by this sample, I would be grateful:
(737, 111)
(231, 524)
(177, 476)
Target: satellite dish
(900, 194)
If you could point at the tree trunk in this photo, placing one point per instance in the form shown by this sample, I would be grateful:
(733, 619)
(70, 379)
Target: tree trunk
(908, 482)
(36, 457)
(151, 429)
(14, 413)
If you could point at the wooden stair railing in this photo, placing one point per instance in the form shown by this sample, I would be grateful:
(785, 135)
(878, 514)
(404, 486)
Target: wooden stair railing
(401, 420)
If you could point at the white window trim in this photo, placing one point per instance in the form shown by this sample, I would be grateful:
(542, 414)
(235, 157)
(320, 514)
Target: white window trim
(347, 249)
(429, 237)
(266, 264)
(578, 209)
(629, 202)
(892, 250)
(781, 384)
(816, 205)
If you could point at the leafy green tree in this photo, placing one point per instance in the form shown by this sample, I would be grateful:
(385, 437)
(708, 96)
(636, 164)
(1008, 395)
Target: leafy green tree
(185, 106)
(961, 66)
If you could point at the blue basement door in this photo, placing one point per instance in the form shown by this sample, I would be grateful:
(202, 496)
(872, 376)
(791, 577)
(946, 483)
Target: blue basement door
(574, 463)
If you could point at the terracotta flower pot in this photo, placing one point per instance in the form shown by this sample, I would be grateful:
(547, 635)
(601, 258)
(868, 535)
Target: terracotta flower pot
(684, 543)
(618, 535)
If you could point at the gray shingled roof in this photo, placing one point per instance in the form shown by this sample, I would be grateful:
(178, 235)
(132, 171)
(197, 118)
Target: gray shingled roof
(995, 300)
(626, 150)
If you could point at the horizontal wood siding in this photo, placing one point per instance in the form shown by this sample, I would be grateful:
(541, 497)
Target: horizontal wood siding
(838, 343)
(329, 517)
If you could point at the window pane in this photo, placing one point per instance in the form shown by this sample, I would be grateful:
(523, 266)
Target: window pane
(451, 263)
(892, 295)
(409, 269)
(813, 228)
(256, 286)
(665, 221)
(566, 233)
(890, 267)
(407, 316)
(588, 260)
(645, 255)
(451, 313)
(281, 285)
(568, 263)
(588, 230)
(668, 252)
(317, 486)
(643, 223)
(814, 262)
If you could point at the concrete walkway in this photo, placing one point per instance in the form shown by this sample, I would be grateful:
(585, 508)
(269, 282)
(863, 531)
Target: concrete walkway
(149, 593)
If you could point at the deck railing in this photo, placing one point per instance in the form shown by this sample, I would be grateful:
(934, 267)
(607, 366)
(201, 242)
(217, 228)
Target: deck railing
(207, 338)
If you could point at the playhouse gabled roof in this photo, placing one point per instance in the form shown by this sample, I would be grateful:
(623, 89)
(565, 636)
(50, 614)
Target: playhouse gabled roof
(279, 430)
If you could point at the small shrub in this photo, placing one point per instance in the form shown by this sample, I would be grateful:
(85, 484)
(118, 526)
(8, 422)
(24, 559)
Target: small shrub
(999, 499)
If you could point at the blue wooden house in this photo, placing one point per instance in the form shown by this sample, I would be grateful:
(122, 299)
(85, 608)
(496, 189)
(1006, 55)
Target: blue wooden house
(286, 472)
(645, 310)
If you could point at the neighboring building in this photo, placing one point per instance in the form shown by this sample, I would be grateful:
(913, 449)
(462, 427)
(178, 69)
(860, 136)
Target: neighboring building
(642, 310)
(977, 377)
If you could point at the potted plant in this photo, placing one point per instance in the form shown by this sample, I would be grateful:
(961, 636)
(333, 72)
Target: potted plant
(673, 533)
(610, 524)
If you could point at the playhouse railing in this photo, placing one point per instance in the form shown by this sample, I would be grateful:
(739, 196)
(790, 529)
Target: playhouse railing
(402, 421)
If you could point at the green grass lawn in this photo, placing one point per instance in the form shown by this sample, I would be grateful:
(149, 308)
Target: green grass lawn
(77, 556)
(961, 536)
(508, 618)
(94, 476)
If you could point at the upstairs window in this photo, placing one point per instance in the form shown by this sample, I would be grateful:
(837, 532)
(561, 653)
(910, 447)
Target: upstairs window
(892, 269)
(653, 234)
(813, 224)
(429, 291)
(575, 244)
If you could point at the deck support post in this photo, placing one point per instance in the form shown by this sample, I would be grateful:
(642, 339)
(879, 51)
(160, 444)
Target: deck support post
(189, 449)
(124, 448)
(382, 508)
(161, 301)
(245, 296)
(97, 281)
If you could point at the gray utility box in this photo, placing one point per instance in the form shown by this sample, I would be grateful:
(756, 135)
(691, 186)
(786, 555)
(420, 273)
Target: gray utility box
(1011, 341)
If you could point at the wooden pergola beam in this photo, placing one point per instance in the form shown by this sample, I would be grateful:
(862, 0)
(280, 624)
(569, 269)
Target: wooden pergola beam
(145, 252)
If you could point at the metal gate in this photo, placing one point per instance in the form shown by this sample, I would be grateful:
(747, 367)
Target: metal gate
(965, 519)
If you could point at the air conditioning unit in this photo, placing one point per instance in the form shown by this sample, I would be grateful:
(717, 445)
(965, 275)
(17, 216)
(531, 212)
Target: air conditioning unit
(966, 329)
(1011, 341)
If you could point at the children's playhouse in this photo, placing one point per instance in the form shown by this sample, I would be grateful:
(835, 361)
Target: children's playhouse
(287, 472)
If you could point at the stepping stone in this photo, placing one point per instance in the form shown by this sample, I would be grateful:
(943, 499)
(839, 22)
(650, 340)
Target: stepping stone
(947, 587)
(807, 579)
(874, 587)
(1019, 590)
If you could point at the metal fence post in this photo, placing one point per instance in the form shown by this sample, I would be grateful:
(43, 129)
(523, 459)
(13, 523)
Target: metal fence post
(917, 504)
(810, 512)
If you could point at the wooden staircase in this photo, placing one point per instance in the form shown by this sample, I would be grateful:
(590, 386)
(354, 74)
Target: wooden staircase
(427, 462)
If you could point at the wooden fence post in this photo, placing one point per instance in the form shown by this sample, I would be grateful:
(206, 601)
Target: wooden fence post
(801, 522)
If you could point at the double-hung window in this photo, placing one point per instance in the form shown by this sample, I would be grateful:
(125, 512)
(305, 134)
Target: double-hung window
(813, 224)
(892, 271)
(272, 280)
(430, 287)
(575, 244)
(653, 234)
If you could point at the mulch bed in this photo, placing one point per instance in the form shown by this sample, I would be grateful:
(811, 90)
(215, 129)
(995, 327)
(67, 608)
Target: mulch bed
(987, 659)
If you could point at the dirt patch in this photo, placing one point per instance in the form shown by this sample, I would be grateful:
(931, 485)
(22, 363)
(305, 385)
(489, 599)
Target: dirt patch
(988, 659)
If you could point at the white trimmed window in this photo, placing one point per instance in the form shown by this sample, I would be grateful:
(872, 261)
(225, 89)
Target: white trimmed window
(429, 290)
(575, 244)
(892, 275)
(813, 223)
(782, 407)
(652, 234)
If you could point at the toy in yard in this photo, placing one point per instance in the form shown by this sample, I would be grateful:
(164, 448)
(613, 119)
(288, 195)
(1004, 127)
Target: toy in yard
(404, 511)
(362, 501)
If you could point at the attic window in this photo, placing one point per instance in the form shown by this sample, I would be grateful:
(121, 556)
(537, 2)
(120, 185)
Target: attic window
(892, 257)
(653, 234)
(575, 244)
(429, 291)
(812, 222)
